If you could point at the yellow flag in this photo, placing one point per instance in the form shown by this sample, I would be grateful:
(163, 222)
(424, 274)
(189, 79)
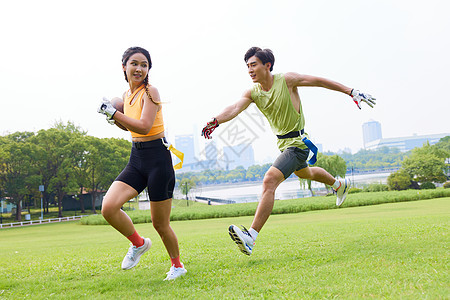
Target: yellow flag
(178, 154)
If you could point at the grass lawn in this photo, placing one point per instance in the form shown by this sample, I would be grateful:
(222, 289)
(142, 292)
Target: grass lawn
(395, 250)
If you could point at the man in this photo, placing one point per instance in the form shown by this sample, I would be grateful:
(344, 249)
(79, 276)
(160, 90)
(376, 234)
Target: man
(276, 96)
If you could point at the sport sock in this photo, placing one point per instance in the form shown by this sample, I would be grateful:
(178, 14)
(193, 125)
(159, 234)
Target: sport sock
(336, 185)
(253, 233)
(176, 262)
(136, 239)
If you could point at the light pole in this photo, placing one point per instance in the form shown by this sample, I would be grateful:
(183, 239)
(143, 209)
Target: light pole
(353, 178)
(1, 213)
(447, 161)
(41, 189)
(76, 198)
(187, 202)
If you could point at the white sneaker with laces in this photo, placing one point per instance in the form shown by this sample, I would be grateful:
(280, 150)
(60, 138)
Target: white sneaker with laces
(242, 238)
(134, 254)
(342, 191)
(174, 273)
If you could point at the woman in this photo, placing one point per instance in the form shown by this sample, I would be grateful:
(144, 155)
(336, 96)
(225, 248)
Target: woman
(150, 163)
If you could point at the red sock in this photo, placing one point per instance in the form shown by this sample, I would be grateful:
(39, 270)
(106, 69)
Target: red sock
(136, 239)
(176, 262)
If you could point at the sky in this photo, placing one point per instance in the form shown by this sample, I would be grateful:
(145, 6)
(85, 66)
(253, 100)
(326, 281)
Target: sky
(60, 58)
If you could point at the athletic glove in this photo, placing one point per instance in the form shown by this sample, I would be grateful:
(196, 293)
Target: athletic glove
(107, 109)
(209, 128)
(359, 97)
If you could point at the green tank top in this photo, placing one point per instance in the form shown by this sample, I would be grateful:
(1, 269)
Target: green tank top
(277, 106)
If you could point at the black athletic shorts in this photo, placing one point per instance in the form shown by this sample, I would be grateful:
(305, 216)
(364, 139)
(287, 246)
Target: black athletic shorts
(290, 160)
(150, 166)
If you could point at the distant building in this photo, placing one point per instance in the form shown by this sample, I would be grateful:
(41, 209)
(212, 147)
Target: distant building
(211, 151)
(319, 147)
(345, 150)
(405, 143)
(185, 143)
(69, 202)
(6, 207)
(239, 155)
(371, 132)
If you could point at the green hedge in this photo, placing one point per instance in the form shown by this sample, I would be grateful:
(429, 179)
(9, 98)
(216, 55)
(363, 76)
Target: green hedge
(195, 212)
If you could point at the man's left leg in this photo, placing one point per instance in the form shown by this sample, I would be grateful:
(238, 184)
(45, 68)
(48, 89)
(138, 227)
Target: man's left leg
(320, 175)
(317, 174)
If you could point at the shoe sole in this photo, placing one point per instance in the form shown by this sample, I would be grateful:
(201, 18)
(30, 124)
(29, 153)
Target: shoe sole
(139, 258)
(240, 243)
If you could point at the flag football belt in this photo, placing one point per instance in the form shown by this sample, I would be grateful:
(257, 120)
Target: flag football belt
(305, 140)
(291, 134)
(150, 144)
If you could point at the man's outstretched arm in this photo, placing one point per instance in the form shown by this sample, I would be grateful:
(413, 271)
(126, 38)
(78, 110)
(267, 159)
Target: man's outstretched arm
(227, 114)
(296, 80)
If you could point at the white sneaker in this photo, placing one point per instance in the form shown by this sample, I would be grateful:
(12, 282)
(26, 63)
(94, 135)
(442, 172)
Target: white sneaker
(134, 254)
(243, 239)
(174, 273)
(342, 191)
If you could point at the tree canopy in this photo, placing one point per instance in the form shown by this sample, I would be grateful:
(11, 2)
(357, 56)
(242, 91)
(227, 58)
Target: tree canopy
(426, 164)
(67, 161)
(64, 159)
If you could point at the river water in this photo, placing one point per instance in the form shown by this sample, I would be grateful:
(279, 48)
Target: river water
(289, 189)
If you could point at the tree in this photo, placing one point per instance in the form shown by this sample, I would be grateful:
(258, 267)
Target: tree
(78, 146)
(63, 183)
(63, 159)
(186, 185)
(69, 127)
(237, 174)
(257, 172)
(106, 159)
(18, 173)
(372, 160)
(76, 152)
(307, 182)
(55, 161)
(48, 143)
(399, 180)
(96, 165)
(444, 144)
(333, 164)
(254, 172)
(426, 164)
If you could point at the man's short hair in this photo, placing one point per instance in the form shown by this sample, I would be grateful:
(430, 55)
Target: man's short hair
(265, 56)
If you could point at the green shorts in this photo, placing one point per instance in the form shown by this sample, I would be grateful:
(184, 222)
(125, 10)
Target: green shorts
(290, 160)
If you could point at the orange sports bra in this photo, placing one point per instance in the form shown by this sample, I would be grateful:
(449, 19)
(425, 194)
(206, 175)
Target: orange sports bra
(135, 110)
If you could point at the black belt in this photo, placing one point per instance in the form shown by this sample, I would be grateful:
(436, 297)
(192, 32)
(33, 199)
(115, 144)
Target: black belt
(291, 134)
(149, 144)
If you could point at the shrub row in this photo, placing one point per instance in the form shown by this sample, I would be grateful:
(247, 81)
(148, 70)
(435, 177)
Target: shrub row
(196, 212)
